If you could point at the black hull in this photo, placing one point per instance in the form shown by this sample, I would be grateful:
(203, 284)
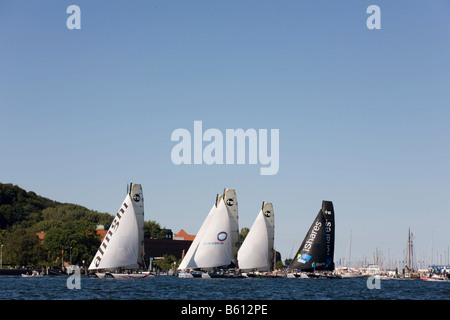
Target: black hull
(224, 276)
(262, 276)
(307, 275)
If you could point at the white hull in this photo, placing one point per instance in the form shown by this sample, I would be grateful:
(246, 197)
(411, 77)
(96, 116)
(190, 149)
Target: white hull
(185, 275)
(122, 276)
(32, 276)
(348, 275)
(127, 276)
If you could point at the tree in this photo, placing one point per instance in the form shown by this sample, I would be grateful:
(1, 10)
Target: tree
(166, 263)
(287, 261)
(74, 242)
(19, 207)
(242, 235)
(22, 247)
(152, 230)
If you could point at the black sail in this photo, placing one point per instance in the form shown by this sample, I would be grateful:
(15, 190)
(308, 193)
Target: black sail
(317, 249)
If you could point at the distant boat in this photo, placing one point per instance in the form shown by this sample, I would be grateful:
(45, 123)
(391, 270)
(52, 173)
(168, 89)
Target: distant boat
(122, 244)
(345, 273)
(256, 254)
(434, 277)
(211, 252)
(33, 274)
(314, 258)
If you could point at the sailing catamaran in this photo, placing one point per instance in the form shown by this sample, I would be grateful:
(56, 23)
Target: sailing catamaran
(214, 246)
(256, 255)
(314, 258)
(122, 245)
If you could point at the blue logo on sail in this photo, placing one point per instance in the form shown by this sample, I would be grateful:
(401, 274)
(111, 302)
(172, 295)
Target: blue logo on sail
(222, 236)
(303, 258)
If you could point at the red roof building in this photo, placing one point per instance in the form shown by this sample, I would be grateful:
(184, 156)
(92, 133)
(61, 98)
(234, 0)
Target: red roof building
(183, 235)
(100, 230)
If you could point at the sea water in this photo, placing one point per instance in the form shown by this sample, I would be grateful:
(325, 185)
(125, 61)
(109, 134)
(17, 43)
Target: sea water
(173, 288)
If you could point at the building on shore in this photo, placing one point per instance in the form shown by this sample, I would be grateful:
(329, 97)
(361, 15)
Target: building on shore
(183, 235)
(174, 244)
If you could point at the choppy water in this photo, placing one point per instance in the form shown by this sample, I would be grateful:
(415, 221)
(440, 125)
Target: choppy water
(174, 298)
(173, 288)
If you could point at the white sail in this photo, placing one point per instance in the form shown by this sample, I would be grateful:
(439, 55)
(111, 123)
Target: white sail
(120, 245)
(256, 253)
(214, 248)
(188, 261)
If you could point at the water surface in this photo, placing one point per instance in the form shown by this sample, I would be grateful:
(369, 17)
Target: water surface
(173, 288)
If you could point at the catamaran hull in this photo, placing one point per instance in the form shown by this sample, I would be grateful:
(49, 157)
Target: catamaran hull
(259, 275)
(193, 274)
(131, 276)
(103, 275)
(100, 275)
(303, 275)
(297, 275)
(185, 275)
(221, 276)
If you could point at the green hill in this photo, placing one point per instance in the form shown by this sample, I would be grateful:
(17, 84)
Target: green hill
(69, 229)
(26, 209)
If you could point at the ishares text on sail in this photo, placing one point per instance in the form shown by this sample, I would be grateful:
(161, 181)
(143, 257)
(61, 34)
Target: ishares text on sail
(235, 143)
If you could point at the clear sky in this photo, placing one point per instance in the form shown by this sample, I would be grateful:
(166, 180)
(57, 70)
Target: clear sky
(363, 115)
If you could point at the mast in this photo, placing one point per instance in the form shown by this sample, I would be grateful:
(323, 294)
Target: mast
(349, 252)
(412, 251)
(230, 199)
(269, 218)
(432, 244)
(137, 195)
(409, 248)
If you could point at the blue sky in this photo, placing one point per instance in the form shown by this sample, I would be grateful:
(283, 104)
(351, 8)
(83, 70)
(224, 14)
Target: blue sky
(363, 114)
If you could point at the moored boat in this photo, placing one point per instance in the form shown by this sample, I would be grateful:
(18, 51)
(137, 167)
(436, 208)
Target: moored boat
(434, 277)
(33, 274)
